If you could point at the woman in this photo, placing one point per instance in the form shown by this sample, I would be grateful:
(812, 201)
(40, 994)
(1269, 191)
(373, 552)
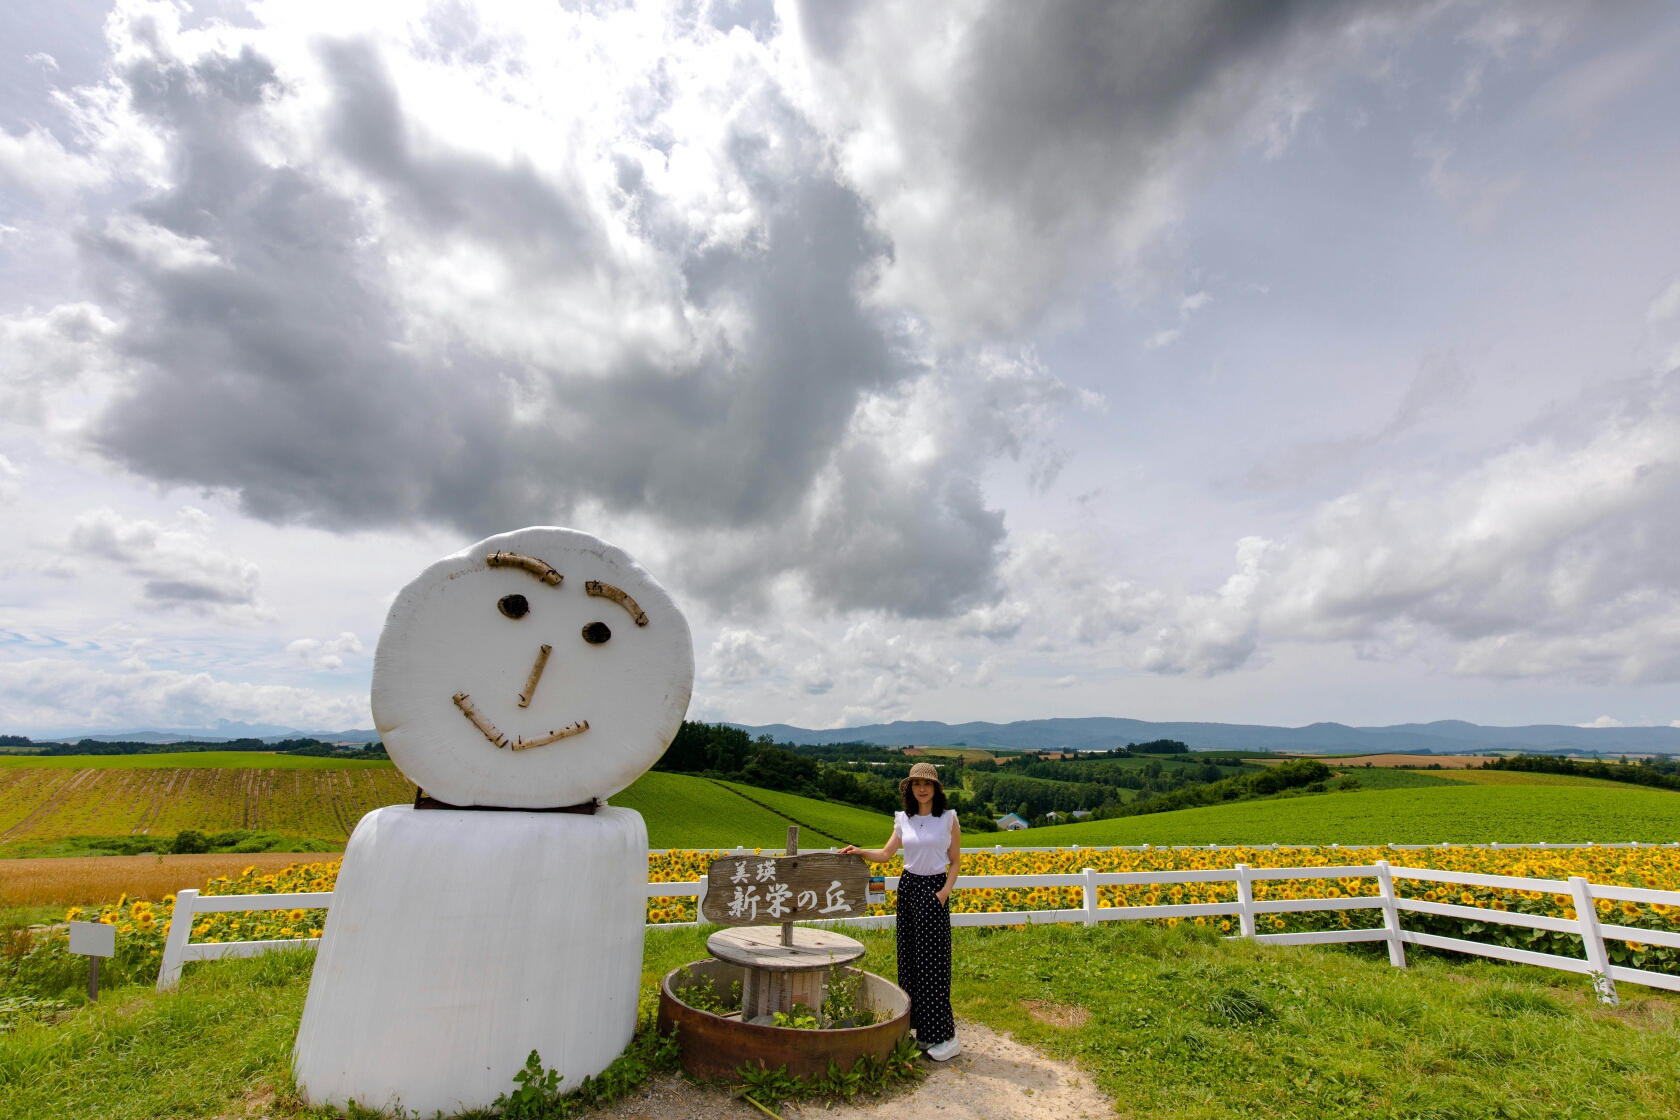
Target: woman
(932, 842)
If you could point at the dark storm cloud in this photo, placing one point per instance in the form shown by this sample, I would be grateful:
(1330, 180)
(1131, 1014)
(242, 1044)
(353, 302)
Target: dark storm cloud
(277, 355)
(278, 364)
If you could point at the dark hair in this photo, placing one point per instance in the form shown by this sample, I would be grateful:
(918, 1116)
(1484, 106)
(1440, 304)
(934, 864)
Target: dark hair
(912, 806)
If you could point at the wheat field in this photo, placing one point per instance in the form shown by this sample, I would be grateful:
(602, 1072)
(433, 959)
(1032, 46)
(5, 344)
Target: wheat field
(89, 880)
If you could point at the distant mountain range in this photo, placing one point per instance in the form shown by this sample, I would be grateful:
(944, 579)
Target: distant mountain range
(1102, 732)
(225, 731)
(1092, 734)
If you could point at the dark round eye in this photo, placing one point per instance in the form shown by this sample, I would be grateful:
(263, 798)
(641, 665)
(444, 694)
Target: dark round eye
(514, 606)
(596, 633)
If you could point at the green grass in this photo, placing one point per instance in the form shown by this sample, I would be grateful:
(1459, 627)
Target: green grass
(846, 823)
(222, 1041)
(191, 760)
(1335, 1032)
(683, 811)
(1181, 1025)
(1466, 815)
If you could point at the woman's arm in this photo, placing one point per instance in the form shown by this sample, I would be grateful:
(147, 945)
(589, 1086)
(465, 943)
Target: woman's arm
(876, 855)
(953, 860)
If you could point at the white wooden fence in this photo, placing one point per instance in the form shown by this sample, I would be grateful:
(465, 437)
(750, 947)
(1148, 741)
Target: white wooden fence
(179, 948)
(1246, 908)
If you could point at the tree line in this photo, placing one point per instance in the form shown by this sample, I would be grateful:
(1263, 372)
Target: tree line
(1660, 772)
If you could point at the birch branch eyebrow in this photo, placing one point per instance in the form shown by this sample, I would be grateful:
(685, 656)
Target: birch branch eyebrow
(607, 591)
(536, 675)
(464, 702)
(530, 563)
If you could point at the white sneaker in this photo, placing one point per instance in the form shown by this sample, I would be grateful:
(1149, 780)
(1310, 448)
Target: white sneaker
(945, 1051)
(920, 1045)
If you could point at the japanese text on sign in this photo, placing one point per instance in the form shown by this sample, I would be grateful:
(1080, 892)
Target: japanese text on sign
(766, 890)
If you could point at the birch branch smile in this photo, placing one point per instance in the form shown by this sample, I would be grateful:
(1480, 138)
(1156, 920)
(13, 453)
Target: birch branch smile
(470, 710)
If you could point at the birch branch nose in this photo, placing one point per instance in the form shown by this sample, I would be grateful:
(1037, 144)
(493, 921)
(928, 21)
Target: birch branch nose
(536, 675)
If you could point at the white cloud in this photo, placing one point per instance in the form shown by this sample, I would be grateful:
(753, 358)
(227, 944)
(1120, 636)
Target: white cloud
(739, 657)
(11, 477)
(156, 247)
(1666, 305)
(36, 162)
(176, 563)
(1550, 558)
(1477, 200)
(317, 654)
(56, 693)
(1603, 721)
(68, 351)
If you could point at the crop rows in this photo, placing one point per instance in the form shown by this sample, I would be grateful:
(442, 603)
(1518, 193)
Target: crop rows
(43, 804)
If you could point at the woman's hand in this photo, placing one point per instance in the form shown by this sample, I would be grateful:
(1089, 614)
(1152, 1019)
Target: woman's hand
(851, 850)
(942, 894)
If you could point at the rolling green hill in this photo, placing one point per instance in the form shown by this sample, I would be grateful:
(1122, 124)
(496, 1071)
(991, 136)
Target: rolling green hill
(1474, 814)
(683, 811)
(846, 823)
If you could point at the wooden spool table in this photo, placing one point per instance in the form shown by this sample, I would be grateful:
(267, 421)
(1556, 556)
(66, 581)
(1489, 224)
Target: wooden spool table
(777, 975)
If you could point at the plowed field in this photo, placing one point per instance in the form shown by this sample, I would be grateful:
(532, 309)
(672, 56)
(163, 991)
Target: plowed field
(45, 804)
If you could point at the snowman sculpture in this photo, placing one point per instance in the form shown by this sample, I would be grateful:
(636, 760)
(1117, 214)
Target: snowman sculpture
(518, 683)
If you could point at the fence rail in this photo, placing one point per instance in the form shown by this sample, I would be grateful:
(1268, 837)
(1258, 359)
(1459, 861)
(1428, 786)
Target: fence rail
(1245, 908)
(180, 949)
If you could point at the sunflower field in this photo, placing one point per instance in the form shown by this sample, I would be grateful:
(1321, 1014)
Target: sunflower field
(40, 963)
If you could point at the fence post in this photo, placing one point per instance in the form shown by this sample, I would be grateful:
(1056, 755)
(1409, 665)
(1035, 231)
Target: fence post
(175, 945)
(1090, 874)
(1391, 915)
(1245, 899)
(1586, 914)
(700, 900)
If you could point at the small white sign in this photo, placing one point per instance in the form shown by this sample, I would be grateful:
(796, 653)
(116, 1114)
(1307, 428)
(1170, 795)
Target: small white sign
(93, 939)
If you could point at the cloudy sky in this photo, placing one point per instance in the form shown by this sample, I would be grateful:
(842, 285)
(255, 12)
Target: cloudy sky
(1257, 363)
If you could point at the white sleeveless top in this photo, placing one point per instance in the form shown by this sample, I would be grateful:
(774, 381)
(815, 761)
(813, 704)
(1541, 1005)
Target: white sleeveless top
(926, 840)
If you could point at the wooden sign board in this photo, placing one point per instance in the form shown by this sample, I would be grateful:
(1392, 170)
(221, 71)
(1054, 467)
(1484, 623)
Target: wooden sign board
(768, 890)
(93, 939)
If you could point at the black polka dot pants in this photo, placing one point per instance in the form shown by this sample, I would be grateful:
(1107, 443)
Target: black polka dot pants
(924, 957)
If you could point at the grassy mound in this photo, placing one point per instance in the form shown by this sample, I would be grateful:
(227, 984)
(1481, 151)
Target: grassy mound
(1473, 814)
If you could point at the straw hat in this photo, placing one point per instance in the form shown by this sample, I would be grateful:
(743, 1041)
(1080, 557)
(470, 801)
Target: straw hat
(922, 770)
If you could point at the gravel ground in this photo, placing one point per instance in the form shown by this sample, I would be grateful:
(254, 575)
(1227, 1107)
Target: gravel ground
(995, 1078)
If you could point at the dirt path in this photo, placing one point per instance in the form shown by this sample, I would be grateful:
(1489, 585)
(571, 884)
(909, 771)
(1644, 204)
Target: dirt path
(996, 1078)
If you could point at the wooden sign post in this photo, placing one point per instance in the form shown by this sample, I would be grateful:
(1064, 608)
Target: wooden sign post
(93, 940)
(792, 850)
(784, 972)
